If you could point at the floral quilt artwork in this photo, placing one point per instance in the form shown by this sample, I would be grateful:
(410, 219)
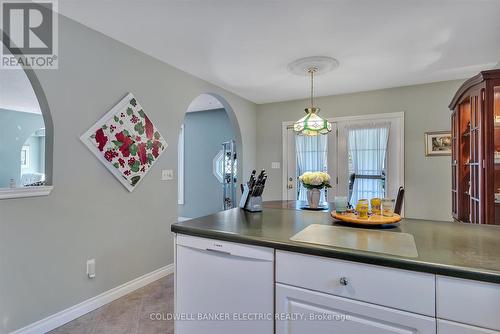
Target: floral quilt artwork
(126, 142)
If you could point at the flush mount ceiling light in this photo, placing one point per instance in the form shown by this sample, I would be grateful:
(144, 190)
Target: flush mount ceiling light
(311, 124)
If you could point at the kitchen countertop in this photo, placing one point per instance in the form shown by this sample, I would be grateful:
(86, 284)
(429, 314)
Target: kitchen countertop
(452, 249)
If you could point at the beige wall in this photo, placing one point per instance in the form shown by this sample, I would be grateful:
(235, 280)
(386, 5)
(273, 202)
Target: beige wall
(45, 241)
(427, 179)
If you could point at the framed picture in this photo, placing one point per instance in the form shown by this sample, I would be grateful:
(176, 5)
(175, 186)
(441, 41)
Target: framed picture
(126, 141)
(437, 143)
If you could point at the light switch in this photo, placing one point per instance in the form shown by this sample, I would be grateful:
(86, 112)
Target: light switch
(275, 165)
(91, 268)
(167, 175)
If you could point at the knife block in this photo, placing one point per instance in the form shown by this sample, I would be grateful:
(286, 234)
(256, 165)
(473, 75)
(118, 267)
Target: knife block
(254, 204)
(250, 203)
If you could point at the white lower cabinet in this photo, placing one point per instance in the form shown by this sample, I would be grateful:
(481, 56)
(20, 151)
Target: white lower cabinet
(395, 288)
(470, 302)
(225, 287)
(449, 327)
(306, 312)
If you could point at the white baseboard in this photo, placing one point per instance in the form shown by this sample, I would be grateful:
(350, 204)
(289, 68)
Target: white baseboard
(76, 311)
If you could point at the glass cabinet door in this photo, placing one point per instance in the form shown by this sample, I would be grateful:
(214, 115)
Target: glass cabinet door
(454, 164)
(475, 180)
(496, 133)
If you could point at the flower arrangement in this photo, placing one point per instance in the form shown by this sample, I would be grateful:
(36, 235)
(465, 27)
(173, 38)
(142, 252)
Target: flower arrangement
(315, 180)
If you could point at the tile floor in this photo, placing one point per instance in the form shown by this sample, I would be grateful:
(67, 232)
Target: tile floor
(129, 314)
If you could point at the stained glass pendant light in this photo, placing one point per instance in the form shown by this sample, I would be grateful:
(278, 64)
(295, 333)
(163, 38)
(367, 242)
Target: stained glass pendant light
(311, 124)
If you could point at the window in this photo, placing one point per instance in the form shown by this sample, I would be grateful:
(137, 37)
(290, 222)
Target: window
(225, 165)
(311, 155)
(367, 151)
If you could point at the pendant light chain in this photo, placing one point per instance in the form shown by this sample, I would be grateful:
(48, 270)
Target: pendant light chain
(312, 70)
(311, 124)
(312, 87)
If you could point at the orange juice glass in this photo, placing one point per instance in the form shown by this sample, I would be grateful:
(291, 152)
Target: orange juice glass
(376, 205)
(362, 208)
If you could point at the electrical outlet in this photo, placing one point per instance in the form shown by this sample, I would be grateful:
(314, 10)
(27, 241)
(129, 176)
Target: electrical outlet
(167, 175)
(91, 268)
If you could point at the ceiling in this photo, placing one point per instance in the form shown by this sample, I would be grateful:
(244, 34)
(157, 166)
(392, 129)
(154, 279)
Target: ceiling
(16, 92)
(204, 102)
(245, 46)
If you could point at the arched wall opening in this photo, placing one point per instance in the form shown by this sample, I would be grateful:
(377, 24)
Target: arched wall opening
(209, 122)
(18, 87)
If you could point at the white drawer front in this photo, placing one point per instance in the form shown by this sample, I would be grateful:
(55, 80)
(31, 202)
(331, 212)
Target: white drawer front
(319, 313)
(448, 327)
(401, 289)
(470, 302)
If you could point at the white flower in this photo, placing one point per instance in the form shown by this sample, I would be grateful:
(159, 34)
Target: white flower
(315, 179)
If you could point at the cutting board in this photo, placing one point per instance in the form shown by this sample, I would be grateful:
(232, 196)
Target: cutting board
(378, 241)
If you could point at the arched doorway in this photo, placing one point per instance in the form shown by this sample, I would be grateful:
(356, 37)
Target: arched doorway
(210, 157)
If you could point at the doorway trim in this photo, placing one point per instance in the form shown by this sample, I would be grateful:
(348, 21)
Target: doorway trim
(181, 189)
(401, 142)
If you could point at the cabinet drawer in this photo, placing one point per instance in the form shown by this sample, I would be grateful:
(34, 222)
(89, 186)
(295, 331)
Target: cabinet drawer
(401, 289)
(448, 327)
(470, 302)
(320, 313)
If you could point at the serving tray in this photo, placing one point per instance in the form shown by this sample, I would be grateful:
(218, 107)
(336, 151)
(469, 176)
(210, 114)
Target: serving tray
(371, 220)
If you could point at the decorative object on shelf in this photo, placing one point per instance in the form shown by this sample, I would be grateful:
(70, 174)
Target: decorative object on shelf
(126, 142)
(311, 124)
(497, 157)
(314, 182)
(437, 143)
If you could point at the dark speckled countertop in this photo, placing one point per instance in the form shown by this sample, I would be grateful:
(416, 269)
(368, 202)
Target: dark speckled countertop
(451, 249)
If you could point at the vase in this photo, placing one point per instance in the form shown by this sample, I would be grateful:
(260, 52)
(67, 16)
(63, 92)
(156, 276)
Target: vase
(313, 196)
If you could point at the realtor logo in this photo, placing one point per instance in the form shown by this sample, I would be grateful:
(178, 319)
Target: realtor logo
(29, 34)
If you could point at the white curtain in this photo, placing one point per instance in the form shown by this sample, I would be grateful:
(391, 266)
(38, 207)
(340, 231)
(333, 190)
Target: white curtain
(311, 157)
(367, 146)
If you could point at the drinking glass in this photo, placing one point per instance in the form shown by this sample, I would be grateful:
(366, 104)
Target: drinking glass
(376, 205)
(362, 208)
(340, 204)
(388, 207)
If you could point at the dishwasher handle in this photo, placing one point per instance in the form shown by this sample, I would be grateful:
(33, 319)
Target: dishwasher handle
(218, 251)
(226, 248)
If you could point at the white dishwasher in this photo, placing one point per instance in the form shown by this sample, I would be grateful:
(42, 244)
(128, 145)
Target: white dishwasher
(223, 287)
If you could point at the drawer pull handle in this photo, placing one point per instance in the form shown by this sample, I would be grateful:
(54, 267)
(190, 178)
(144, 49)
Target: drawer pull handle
(344, 281)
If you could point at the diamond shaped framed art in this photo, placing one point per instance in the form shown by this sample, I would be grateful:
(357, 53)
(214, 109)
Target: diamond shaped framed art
(126, 142)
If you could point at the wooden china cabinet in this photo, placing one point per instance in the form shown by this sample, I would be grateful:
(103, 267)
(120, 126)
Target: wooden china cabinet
(475, 163)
